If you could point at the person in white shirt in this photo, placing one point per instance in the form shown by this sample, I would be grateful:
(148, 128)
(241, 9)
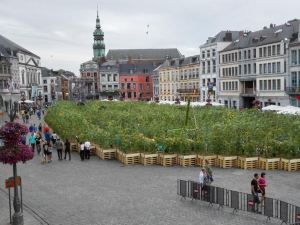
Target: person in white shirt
(82, 151)
(87, 146)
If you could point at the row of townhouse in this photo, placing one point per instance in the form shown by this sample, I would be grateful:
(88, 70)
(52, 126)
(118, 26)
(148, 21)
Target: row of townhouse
(238, 69)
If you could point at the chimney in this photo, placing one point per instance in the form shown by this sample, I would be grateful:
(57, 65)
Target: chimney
(271, 25)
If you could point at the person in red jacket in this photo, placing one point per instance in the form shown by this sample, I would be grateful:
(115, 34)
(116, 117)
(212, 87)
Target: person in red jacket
(262, 183)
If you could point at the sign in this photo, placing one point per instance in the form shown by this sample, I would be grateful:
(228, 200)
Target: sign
(250, 203)
(10, 182)
(298, 216)
(196, 191)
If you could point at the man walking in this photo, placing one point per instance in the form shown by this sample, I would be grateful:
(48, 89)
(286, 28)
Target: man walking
(82, 151)
(59, 148)
(67, 149)
(255, 190)
(32, 141)
(87, 146)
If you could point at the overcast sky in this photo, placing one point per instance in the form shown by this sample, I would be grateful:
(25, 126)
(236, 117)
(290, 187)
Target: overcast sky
(61, 31)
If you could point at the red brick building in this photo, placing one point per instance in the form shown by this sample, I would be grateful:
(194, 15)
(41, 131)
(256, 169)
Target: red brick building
(136, 81)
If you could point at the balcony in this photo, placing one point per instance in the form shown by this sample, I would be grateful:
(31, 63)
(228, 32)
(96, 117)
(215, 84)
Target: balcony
(190, 91)
(292, 90)
(248, 92)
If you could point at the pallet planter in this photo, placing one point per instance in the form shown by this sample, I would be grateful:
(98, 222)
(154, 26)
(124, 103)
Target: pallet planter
(212, 160)
(119, 155)
(269, 164)
(149, 159)
(130, 159)
(74, 147)
(167, 159)
(107, 154)
(187, 160)
(248, 162)
(290, 164)
(227, 161)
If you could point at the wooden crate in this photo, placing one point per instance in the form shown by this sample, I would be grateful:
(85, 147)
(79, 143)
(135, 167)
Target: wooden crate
(167, 159)
(269, 164)
(248, 162)
(107, 154)
(290, 164)
(119, 155)
(212, 160)
(227, 161)
(74, 147)
(187, 160)
(93, 150)
(149, 159)
(130, 159)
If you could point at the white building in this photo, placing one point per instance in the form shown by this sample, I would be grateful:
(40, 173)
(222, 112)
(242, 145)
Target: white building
(50, 83)
(109, 80)
(209, 62)
(255, 67)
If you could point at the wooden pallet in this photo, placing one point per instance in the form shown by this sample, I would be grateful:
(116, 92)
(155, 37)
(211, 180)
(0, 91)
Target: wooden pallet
(227, 161)
(130, 159)
(248, 162)
(269, 164)
(168, 159)
(74, 146)
(93, 150)
(119, 155)
(290, 164)
(187, 160)
(149, 159)
(212, 160)
(107, 154)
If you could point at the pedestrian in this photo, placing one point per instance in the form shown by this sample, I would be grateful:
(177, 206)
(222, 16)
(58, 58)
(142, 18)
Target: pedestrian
(202, 177)
(82, 151)
(87, 146)
(38, 143)
(209, 172)
(40, 127)
(45, 152)
(23, 115)
(38, 114)
(67, 149)
(31, 129)
(262, 183)
(47, 134)
(23, 138)
(54, 137)
(49, 152)
(32, 141)
(59, 148)
(30, 112)
(26, 116)
(254, 191)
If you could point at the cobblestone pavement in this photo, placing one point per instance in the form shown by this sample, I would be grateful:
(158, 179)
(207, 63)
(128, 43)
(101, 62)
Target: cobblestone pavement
(105, 192)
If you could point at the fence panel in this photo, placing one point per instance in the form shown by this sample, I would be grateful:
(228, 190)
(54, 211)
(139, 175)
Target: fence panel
(195, 190)
(234, 200)
(220, 196)
(284, 211)
(297, 214)
(183, 188)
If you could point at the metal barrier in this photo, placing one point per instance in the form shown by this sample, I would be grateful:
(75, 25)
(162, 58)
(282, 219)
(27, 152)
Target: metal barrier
(269, 207)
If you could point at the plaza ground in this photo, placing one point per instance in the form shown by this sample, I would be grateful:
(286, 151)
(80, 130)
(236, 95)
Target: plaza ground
(105, 192)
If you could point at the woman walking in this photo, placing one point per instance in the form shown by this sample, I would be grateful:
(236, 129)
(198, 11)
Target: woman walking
(67, 149)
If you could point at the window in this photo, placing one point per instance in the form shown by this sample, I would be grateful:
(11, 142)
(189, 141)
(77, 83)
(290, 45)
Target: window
(265, 68)
(115, 77)
(278, 49)
(254, 68)
(208, 66)
(260, 85)
(134, 94)
(44, 81)
(260, 52)
(45, 89)
(273, 49)
(235, 56)
(273, 84)
(203, 67)
(249, 54)
(203, 82)
(141, 87)
(88, 74)
(254, 53)
(294, 57)
(203, 54)
(249, 68)
(240, 55)
(214, 65)
(109, 87)
(236, 71)
(260, 68)
(214, 52)
(265, 51)
(208, 53)
(265, 85)
(278, 67)
(245, 69)
(299, 57)
(278, 84)
(108, 77)
(273, 67)
(240, 69)
(133, 85)
(123, 85)
(269, 68)
(269, 85)
(128, 86)
(95, 74)
(245, 54)
(269, 50)
(23, 77)
(129, 94)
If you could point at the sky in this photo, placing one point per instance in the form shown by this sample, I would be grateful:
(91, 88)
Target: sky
(61, 31)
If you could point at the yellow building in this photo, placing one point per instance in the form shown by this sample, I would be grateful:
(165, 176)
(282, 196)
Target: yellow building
(179, 78)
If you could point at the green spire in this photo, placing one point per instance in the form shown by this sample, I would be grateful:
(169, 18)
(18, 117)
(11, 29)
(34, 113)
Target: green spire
(98, 46)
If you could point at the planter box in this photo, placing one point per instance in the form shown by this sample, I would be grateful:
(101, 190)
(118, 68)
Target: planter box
(227, 161)
(269, 164)
(167, 159)
(290, 164)
(248, 162)
(107, 154)
(149, 159)
(212, 160)
(130, 159)
(93, 150)
(187, 160)
(119, 155)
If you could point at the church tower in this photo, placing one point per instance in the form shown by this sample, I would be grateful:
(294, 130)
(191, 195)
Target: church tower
(98, 46)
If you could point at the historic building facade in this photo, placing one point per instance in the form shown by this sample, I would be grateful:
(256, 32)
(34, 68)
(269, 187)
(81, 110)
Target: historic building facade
(109, 80)
(255, 67)
(209, 63)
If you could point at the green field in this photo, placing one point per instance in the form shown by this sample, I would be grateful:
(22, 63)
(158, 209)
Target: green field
(141, 127)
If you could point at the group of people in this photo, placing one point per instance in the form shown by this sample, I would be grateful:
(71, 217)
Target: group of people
(258, 186)
(28, 112)
(85, 150)
(206, 175)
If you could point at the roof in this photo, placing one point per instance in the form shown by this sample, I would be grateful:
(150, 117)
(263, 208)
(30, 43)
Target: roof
(143, 54)
(288, 31)
(179, 62)
(223, 36)
(48, 73)
(136, 69)
(4, 52)
(15, 47)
